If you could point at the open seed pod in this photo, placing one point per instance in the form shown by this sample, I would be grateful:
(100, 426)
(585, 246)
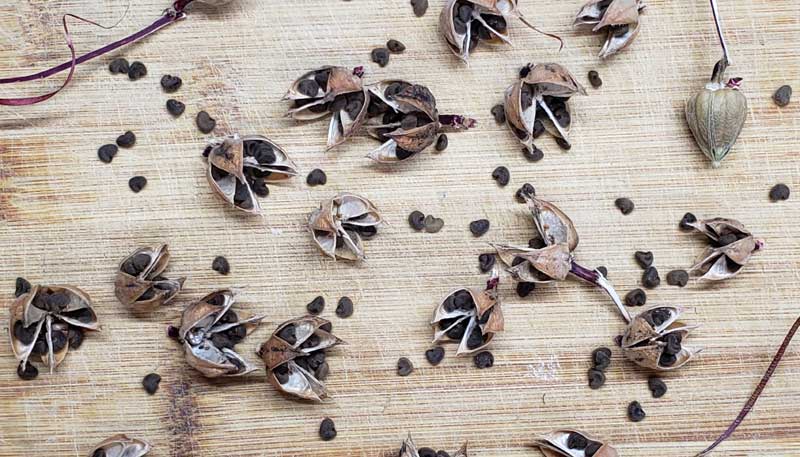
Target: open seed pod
(469, 317)
(618, 19)
(328, 90)
(48, 320)
(573, 443)
(295, 357)
(210, 330)
(409, 449)
(403, 116)
(239, 169)
(731, 249)
(654, 339)
(121, 446)
(341, 222)
(139, 284)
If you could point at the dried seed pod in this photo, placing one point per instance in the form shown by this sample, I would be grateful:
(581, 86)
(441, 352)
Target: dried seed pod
(121, 446)
(654, 339)
(139, 284)
(295, 357)
(618, 19)
(573, 443)
(330, 90)
(404, 117)
(341, 222)
(731, 249)
(409, 449)
(240, 167)
(42, 319)
(210, 330)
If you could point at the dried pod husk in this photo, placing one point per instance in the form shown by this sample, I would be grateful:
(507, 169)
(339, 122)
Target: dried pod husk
(654, 339)
(717, 114)
(121, 446)
(139, 284)
(731, 249)
(239, 166)
(409, 449)
(340, 224)
(469, 317)
(210, 330)
(42, 319)
(557, 444)
(618, 19)
(295, 357)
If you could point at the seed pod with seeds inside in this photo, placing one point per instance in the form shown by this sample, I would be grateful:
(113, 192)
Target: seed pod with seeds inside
(573, 443)
(340, 224)
(41, 320)
(409, 449)
(121, 446)
(404, 117)
(731, 249)
(295, 357)
(210, 330)
(139, 284)
(337, 91)
(654, 339)
(618, 19)
(240, 167)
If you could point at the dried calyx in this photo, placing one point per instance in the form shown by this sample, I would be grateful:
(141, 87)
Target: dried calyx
(654, 339)
(46, 321)
(209, 332)
(139, 284)
(538, 101)
(573, 443)
(409, 449)
(239, 169)
(340, 224)
(121, 446)
(732, 245)
(295, 357)
(618, 19)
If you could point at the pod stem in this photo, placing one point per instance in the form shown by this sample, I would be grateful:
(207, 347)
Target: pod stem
(596, 279)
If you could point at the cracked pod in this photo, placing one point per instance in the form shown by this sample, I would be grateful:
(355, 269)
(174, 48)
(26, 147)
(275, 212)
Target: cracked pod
(295, 357)
(573, 443)
(404, 117)
(469, 317)
(139, 284)
(618, 19)
(47, 321)
(121, 446)
(540, 99)
(654, 339)
(731, 249)
(341, 222)
(209, 332)
(409, 449)
(239, 169)
(334, 91)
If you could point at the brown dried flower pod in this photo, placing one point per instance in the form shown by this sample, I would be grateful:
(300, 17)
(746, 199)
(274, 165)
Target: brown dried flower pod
(240, 167)
(618, 19)
(210, 330)
(654, 339)
(403, 116)
(731, 249)
(121, 446)
(573, 443)
(45, 321)
(330, 90)
(295, 357)
(139, 284)
(409, 449)
(341, 222)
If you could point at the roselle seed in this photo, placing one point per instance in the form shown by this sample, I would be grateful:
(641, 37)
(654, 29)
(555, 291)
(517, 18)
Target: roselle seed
(441, 143)
(433, 224)
(175, 108)
(534, 154)
(592, 449)
(475, 338)
(526, 189)
(486, 262)
(395, 46)
(650, 278)
(107, 152)
(687, 219)
(344, 308)
(151, 382)
(524, 71)
(594, 79)
(536, 243)
(317, 177)
(726, 239)
(22, 286)
(316, 305)
(137, 183)
(601, 358)
(635, 412)
(563, 144)
(308, 87)
(136, 71)
(205, 123)
(426, 452)
(499, 113)
(479, 227)
(603, 271)
(624, 205)
(667, 360)
(657, 387)
(28, 373)
(779, 192)
(484, 359)
(24, 334)
(673, 346)
(420, 7)
(441, 453)
(171, 83)
(782, 96)
(501, 175)
(327, 429)
(126, 140)
(525, 288)
(221, 265)
(435, 355)
(678, 278)
(404, 367)
(596, 379)
(380, 56)
(538, 129)
(577, 441)
(119, 65)
(636, 297)
(259, 187)
(644, 259)
(57, 302)
(658, 316)
(59, 340)
(416, 220)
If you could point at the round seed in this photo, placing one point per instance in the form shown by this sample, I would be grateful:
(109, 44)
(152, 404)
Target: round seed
(395, 46)
(479, 227)
(687, 219)
(420, 7)
(137, 183)
(344, 308)
(380, 56)
(657, 387)
(107, 152)
(594, 79)
(650, 278)
(119, 65)
(635, 412)
(317, 177)
(625, 205)
(499, 113)
(484, 359)
(316, 305)
(126, 140)
(644, 259)
(636, 297)
(677, 278)
(779, 192)
(435, 355)
(601, 358)
(28, 373)
(596, 379)
(151, 382)
(221, 265)
(327, 429)
(416, 220)
(171, 83)
(534, 154)
(441, 143)
(175, 108)
(404, 367)
(137, 70)
(486, 262)
(525, 288)
(205, 123)
(501, 175)
(782, 96)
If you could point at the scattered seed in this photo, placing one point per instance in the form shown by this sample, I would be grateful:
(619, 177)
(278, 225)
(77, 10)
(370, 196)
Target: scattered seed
(625, 205)
(441, 143)
(563, 144)
(526, 189)
(650, 278)
(435, 355)
(479, 227)
(420, 7)
(205, 123)
(779, 192)
(484, 359)
(636, 297)
(344, 308)
(137, 70)
(678, 278)
(525, 288)
(175, 108)
(137, 183)
(107, 152)
(151, 382)
(126, 140)
(596, 379)
(499, 113)
(22, 287)
(380, 56)
(404, 367)
(327, 429)
(601, 358)
(577, 441)
(635, 412)
(594, 79)
(426, 452)
(534, 154)
(782, 96)
(28, 373)
(221, 265)
(687, 219)
(603, 271)
(657, 387)
(317, 177)
(171, 83)
(644, 259)
(433, 224)
(118, 66)
(395, 46)
(486, 262)
(501, 175)
(316, 305)
(416, 220)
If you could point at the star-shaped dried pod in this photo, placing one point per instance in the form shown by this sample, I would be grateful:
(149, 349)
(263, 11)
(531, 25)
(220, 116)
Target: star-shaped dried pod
(337, 91)
(731, 249)
(654, 339)
(121, 446)
(409, 449)
(295, 357)
(618, 19)
(47, 320)
(573, 443)
(139, 284)
(239, 169)
(469, 317)
(210, 330)
(341, 222)
(404, 117)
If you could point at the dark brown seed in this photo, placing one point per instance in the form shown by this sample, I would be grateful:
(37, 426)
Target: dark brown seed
(596, 379)
(107, 152)
(175, 108)
(677, 278)
(426, 452)
(657, 387)
(221, 265)
(592, 449)
(404, 367)
(499, 113)
(205, 123)
(344, 308)
(636, 297)
(601, 358)
(594, 79)
(625, 205)
(441, 143)
(644, 258)
(479, 227)
(526, 189)
(137, 183)
(536, 243)
(433, 224)
(151, 382)
(563, 144)
(524, 71)
(650, 278)
(380, 56)
(484, 359)
(28, 373)
(420, 7)
(137, 70)
(395, 46)
(727, 239)
(525, 288)
(603, 271)
(441, 453)
(538, 128)
(308, 87)
(779, 192)
(316, 305)
(635, 412)
(317, 177)
(416, 220)
(782, 96)
(501, 175)
(118, 66)
(126, 140)
(327, 429)
(486, 262)
(22, 287)
(75, 337)
(171, 83)
(435, 355)
(577, 441)
(687, 219)
(260, 188)
(534, 154)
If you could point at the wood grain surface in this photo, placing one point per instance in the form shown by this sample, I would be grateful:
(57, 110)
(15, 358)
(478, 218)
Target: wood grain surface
(65, 217)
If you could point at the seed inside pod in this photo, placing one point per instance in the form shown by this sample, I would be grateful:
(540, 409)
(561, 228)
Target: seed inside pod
(171, 83)
(782, 96)
(22, 286)
(644, 259)
(596, 379)
(175, 108)
(316, 305)
(344, 308)
(137, 70)
(687, 220)
(650, 278)
(119, 65)
(205, 123)
(501, 175)
(779, 192)
(435, 355)
(484, 359)
(75, 337)
(107, 152)
(126, 140)
(657, 387)
(635, 412)
(404, 367)
(479, 227)
(678, 278)
(636, 297)
(137, 183)
(625, 205)
(327, 429)
(151, 382)
(577, 441)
